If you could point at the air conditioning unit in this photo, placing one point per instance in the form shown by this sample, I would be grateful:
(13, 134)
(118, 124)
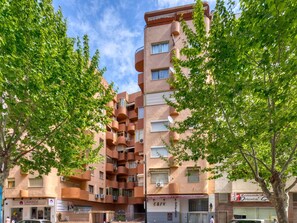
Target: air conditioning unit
(102, 196)
(141, 141)
(159, 184)
(97, 196)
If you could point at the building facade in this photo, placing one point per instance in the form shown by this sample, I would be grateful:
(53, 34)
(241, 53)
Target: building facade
(138, 179)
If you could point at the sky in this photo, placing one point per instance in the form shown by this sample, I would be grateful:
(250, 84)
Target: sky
(115, 28)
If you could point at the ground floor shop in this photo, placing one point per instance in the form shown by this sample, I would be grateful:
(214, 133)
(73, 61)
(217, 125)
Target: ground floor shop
(19, 209)
(178, 209)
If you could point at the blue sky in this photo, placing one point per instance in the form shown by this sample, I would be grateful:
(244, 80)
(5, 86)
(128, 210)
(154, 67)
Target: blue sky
(115, 28)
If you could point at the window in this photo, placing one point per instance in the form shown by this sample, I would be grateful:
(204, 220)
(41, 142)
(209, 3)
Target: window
(101, 175)
(10, 183)
(132, 165)
(91, 189)
(159, 151)
(36, 182)
(100, 190)
(138, 135)
(160, 47)
(160, 74)
(159, 177)
(193, 175)
(159, 126)
(198, 204)
(122, 103)
(140, 113)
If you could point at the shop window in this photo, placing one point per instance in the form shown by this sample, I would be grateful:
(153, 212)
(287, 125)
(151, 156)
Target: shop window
(36, 182)
(10, 183)
(198, 204)
(160, 47)
(159, 151)
(160, 74)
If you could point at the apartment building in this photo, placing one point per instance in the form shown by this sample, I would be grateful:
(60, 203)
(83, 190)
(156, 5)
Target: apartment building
(182, 193)
(174, 193)
(110, 189)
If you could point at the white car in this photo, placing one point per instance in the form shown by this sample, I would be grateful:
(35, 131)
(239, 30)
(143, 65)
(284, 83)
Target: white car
(247, 221)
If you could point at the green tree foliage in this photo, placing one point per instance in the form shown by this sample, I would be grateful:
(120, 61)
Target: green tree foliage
(51, 92)
(240, 88)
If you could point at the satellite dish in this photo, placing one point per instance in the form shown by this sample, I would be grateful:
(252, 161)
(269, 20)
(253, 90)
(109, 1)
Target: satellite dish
(170, 119)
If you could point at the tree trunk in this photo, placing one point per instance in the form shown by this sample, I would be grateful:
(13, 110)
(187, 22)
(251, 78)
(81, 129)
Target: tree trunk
(280, 198)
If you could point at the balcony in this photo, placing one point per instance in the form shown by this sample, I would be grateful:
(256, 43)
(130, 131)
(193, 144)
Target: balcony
(74, 193)
(122, 156)
(122, 199)
(111, 106)
(122, 170)
(138, 191)
(172, 111)
(132, 171)
(138, 147)
(109, 138)
(122, 127)
(140, 168)
(122, 185)
(112, 153)
(141, 81)
(112, 183)
(130, 156)
(174, 136)
(110, 168)
(81, 175)
(138, 102)
(131, 128)
(122, 113)
(135, 200)
(175, 28)
(139, 58)
(174, 53)
(115, 125)
(108, 199)
(130, 185)
(132, 115)
(172, 163)
(130, 142)
(122, 140)
(173, 188)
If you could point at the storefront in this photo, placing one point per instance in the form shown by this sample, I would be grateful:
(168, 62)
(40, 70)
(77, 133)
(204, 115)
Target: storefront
(178, 208)
(19, 209)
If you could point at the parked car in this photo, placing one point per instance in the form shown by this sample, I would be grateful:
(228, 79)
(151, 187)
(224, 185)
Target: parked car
(34, 221)
(248, 221)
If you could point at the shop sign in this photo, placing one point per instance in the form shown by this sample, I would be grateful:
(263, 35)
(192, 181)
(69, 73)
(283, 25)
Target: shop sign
(30, 202)
(238, 197)
(51, 202)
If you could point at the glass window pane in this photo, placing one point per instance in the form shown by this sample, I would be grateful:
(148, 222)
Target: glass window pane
(161, 126)
(159, 152)
(155, 75)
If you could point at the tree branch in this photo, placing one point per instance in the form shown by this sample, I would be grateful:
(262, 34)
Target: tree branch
(292, 154)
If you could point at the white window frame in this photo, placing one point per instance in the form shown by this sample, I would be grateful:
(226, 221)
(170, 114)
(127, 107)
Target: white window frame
(158, 73)
(161, 47)
(38, 180)
(165, 123)
(155, 172)
(157, 154)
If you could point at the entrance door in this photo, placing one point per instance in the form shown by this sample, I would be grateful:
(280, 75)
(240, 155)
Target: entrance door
(222, 217)
(16, 214)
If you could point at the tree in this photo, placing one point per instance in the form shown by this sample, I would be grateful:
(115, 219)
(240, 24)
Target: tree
(51, 92)
(240, 89)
